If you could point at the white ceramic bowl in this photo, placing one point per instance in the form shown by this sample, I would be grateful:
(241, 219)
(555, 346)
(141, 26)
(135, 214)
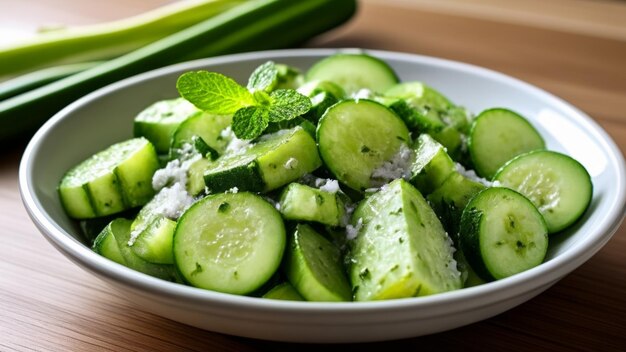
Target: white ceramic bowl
(106, 116)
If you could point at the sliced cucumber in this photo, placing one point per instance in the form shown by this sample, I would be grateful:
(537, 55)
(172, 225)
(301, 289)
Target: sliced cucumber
(559, 186)
(401, 249)
(502, 234)
(357, 137)
(120, 229)
(115, 179)
(432, 164)
(353, 72)
(154, 243)
(314, 267)
(229, 242)
(497, 136)
(206, 126)
(449, 200)
(304, 203)
(158, 122)
(273, 162)
(105, 244)
(313, 88)
(285, 292)
(195, 176)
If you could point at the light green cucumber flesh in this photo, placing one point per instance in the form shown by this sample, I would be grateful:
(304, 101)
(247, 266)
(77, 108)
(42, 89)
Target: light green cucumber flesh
(356, 137)
(115, 179)
(314, 267)
(158, 121)
(303, 203)
(353, 72)
(559, 186)
(502, 234)
(497, 136)
(401, 249)
(229, 242)
(206, 126)
(273, 162)
(432, 165)
(284, 292)
(105, 244)
(449, 200)
(121, 231)
(154, 243)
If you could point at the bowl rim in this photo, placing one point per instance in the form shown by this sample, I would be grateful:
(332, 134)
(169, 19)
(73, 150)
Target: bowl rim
(542, 275)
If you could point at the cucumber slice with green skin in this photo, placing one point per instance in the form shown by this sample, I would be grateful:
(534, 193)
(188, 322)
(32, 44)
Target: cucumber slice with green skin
(304, 203)
(113, 180)
(158, 121)
(401, 249)
(558, 185)
(154, 243)
(497, 136)
(229, 242)
(502, 234)
(105, 244)
(284, 292)
(206, 126)
(120, 229)
(274, 161)
(314, 267)
(313, 88)
(356, 137)
(449, 200)
(432, 165)
(195, 176)
(353, 72)
(433, 106)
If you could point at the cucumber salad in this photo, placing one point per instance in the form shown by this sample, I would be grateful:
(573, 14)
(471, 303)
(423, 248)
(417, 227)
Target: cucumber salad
(340, 183)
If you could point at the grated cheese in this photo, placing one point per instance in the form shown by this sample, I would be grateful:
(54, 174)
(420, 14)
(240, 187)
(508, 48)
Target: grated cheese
(397, 167)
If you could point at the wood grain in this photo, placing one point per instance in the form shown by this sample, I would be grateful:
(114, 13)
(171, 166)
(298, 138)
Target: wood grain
(49, 304)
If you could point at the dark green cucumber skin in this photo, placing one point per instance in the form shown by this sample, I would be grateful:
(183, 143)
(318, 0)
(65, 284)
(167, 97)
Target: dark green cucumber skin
(30, 81)
(227, 179)
(261, 25)
(470, 243)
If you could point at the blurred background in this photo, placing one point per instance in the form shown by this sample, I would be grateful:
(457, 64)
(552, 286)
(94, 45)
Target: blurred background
(595, 17)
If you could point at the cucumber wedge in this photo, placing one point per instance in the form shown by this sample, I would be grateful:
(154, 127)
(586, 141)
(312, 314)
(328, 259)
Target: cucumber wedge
(502, 234)
(432, 164)
(154, 243)
(276, 160)
(284, 292)
(497, 136)
(205, 126)
(356, 137)
(158, 121)
(559, 186)
(229, 242)
(401, 249)
(304, 203)
(113, 180)
(119, 229)
(314, 267)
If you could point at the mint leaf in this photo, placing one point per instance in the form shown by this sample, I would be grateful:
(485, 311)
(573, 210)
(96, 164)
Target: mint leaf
(264, 77)
(213, 92)
(287, 104)
(250, 122)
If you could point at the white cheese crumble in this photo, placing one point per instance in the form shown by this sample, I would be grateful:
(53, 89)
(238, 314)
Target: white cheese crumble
(233, 190)
(331, 186)
(291, 164)
(353, 231)
(236, 145)
(397, 167)
(362, 93)
(170, 183)
(471, 174)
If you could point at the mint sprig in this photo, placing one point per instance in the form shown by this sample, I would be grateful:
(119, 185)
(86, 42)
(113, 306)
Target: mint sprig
(253, 108)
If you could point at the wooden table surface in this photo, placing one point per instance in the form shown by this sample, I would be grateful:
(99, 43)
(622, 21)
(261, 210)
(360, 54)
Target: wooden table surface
(49, 304)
